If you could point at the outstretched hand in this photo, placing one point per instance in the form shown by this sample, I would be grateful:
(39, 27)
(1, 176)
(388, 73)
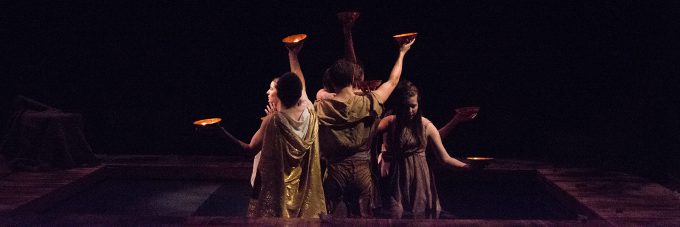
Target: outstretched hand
(406, 46)
(465, 114)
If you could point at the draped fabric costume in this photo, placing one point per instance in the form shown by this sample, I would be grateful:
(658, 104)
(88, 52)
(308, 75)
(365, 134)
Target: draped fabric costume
(413, 191)
(345, 133)
(255, 183)
(290, 168)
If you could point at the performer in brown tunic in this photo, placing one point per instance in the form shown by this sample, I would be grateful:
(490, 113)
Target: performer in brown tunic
(347, 123)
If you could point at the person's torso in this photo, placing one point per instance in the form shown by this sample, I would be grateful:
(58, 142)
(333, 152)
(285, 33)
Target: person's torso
(407, 142)
(346, 128)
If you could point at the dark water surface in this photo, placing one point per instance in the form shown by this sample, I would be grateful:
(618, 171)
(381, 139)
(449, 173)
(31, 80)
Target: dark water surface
(511, 195)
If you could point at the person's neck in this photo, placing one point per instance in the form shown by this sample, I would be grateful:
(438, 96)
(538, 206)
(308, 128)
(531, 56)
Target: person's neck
(293, 111)
(344, 94)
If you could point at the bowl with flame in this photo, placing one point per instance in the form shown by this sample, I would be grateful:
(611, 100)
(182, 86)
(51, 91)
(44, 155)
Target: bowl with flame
(405, 38)
(294, 40)
(479, 162)
(208, 121)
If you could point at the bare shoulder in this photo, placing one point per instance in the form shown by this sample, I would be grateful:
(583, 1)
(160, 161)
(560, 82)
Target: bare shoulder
(429, 128)
(426, 122)
(267, 119)
(389, 119)
(305, 103)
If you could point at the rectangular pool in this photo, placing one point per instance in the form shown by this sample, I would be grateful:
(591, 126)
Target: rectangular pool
(206, 191)
(504, 194)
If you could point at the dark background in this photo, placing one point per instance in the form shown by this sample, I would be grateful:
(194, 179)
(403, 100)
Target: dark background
(585, 83)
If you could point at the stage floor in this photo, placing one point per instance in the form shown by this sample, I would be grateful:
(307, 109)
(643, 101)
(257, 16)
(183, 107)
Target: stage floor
(210, 190)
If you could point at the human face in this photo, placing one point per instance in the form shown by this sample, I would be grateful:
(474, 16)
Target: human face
(272, 96)
(412, 105)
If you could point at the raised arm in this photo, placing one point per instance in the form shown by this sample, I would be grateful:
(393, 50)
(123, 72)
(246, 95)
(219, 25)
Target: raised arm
(444, 131)
(295, 68)
(349, 43)
(384, 91)
(347, 20)
(463, 114)
(439, 150)
(294, 63)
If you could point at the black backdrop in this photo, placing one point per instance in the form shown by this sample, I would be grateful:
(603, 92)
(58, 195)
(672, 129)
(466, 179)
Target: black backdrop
(580, 82)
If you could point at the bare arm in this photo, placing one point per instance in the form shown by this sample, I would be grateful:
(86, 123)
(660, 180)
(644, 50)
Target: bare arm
(385, 157)
(295, 68)
(349, 44)
(384, 124)
(460, 117)
(323, 94)
(384, 91)
(439, 150)
(444, 131)
(295, 64)
(255, 142)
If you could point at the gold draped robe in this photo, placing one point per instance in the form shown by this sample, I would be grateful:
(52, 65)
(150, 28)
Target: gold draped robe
(290, 169)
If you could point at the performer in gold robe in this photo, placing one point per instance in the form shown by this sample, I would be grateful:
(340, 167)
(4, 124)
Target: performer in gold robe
(290, 168)
(289, 165)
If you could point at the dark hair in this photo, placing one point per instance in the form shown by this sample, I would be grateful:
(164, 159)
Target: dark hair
(289, 89)
(326, 81)
(342, 73)
(404, 91)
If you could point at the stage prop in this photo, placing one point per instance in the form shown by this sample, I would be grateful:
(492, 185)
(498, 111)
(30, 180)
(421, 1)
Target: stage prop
(41, 137)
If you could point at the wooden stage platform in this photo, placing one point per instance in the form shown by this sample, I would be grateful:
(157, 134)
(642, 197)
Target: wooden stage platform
(601, 198)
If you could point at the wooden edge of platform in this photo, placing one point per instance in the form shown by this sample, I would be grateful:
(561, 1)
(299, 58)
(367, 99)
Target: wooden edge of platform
(588, 190)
